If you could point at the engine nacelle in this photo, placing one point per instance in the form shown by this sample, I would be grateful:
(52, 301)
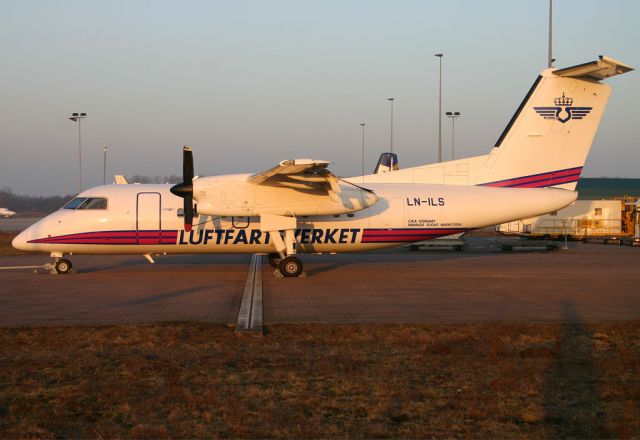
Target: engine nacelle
(232, 195)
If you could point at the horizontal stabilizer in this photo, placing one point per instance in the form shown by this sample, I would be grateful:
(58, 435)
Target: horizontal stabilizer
(604, 67)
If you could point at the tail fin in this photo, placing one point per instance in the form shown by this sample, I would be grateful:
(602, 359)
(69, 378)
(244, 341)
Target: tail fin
(387, 162)
(546, 142)
(548, 139)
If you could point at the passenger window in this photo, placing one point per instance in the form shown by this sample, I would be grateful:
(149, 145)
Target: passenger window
(73, 204)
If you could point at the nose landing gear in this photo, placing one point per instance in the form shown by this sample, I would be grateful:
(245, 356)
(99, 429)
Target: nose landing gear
(62, 266)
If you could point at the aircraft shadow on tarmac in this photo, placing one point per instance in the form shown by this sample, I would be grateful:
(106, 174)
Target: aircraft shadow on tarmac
(572, 397)
(115, 263)
(314, 264)
(318, 264)
(168, 295)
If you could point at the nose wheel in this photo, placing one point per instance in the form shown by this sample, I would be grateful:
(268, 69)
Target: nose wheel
(290, 266)
(63, 266)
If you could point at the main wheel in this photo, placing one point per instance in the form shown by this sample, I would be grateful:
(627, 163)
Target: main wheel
(63, 266)
(274, 260)
(290, 266)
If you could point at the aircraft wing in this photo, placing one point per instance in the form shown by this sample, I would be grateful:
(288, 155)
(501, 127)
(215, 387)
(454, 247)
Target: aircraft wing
(306, 174)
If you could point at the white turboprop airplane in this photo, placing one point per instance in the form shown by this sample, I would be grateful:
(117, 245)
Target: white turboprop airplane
(300, 207)
(6, 213)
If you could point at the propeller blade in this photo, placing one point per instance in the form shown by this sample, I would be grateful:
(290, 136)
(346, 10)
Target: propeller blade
(188, 212)
(184, 189)
(187, 166)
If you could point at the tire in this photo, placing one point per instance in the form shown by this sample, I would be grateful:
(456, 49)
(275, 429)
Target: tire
(290, 267)
(274, 260)
(63, 266)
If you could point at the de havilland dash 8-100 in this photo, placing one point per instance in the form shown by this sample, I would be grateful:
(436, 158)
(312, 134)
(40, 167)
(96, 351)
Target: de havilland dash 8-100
(299, 206)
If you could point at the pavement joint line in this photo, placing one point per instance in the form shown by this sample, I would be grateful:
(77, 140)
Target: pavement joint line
(250, 314)
(40, 266)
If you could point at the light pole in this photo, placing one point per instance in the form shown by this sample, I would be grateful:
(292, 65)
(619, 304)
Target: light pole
(439, 55)
(104, 165)
(453, 116)
(391, 101)
(77, 117)
(550, 57)
(363, 125)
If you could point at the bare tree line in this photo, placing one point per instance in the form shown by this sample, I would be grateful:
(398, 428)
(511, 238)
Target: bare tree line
(23, 203)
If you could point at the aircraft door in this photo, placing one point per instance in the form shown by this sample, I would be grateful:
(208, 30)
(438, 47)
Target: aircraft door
(148, 224)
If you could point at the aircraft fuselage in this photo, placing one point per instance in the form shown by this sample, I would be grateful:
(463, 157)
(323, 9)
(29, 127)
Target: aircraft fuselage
(145, 219)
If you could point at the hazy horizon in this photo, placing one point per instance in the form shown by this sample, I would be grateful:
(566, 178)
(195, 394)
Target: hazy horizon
(250, 83)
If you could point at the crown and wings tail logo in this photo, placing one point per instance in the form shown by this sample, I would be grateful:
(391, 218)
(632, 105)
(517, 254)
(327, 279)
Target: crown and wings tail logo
(563, 110)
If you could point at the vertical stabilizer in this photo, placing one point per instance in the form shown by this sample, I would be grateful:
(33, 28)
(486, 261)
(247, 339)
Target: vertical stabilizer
(387, 162)
(546, 142)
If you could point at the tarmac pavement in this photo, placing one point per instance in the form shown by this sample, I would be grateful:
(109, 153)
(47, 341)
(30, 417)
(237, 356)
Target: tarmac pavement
(588, 283)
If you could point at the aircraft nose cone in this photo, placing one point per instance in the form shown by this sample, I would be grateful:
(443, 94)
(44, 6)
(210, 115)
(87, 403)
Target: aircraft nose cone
(20, 241)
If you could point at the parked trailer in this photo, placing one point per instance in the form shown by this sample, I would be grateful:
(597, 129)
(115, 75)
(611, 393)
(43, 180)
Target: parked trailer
(614, 220)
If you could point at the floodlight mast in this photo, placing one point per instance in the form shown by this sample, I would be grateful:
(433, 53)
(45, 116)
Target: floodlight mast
(440, 55)
(77, 117)
(104, 165)
(391, 100)
(550, 59)
(453, 116)
(363, 125)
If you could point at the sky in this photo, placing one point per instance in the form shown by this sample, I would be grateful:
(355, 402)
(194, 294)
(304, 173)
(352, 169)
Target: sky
(250, 83)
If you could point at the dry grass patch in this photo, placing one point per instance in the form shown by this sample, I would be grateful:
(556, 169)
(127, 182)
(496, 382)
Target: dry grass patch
(200, 380)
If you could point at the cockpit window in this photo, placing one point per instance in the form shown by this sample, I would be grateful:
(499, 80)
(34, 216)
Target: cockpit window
(94, 203)
(73, 204)
(87, 203)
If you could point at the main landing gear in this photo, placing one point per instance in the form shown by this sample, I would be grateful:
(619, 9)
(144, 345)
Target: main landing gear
(289, 266)
(282, 230)
(275, 259)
